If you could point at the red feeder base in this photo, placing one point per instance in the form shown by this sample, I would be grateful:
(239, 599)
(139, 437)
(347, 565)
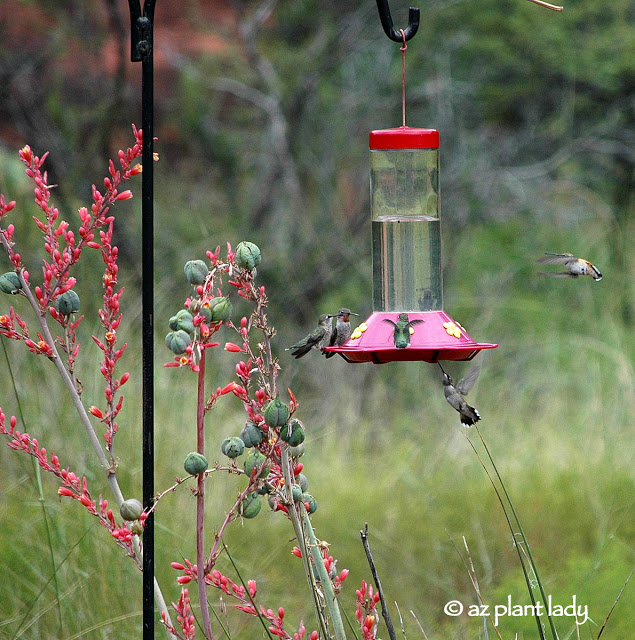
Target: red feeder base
(438, 337)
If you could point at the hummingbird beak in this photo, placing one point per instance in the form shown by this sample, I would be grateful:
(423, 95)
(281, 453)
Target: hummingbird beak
(442, 369)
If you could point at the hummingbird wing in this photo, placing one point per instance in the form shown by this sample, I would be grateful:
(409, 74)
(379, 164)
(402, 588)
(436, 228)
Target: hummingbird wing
(469, 380)
(394, 324)
(563, 274)
(414, 322)
(302, 347)
(557, 258)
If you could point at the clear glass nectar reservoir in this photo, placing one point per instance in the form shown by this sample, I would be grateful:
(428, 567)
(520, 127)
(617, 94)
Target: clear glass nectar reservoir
(406, 225)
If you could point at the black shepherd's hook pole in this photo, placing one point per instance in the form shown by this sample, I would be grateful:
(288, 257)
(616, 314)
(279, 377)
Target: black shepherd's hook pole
(389, 27)
(142, 50)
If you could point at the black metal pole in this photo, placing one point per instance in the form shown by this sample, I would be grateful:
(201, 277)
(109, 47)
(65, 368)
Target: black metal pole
(147, 323)
(142, 49)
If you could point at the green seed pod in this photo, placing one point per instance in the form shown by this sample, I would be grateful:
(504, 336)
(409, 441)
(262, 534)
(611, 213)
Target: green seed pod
(137, 529)
(313, 505)
(252, 435)
(272, 501)
(195, 463)
(292, 433)
(221, 309)
(296, 452)
(195, 271)
(184, 321)
(172, 323)
(303, 481)
(247, 256)
(232, 447)
(177, 341)
(67, 303)
(131, 509)
(206, 312)
(253, 461)
(276, 413)
(250, 506)
(10, 283)
(296, 492)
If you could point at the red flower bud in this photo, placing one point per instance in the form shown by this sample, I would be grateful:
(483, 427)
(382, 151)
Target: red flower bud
(96, 412)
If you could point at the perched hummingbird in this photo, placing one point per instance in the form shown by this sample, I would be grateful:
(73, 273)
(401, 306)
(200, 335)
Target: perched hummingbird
(454, 395)
(342, 330)
(574, 266)
(319, 338)
(402, 330)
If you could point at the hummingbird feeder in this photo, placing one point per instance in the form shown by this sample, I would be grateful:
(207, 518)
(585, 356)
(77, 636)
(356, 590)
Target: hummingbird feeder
(406, 245)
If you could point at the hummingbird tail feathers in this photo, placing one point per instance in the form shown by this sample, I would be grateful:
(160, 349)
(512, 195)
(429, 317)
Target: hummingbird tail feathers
(469, 416)
(300, 351)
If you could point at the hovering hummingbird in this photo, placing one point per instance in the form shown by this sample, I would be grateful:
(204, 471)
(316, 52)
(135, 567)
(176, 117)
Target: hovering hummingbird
(342, 330)
(319, 338)
(454, 395)
(402, 330)
(574, 266)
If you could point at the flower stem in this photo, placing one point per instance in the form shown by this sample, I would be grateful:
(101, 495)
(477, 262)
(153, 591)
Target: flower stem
(200, 502)
(327, 586)
(301, 539)
(88, 427)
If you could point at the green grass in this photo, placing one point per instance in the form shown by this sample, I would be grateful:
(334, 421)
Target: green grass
(383, 447)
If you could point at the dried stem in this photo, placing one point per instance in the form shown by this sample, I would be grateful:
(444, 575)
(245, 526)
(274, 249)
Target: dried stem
(380, 591)
(553, 7)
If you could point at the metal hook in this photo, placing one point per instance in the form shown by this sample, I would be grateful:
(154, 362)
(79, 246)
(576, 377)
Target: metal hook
(389, 27)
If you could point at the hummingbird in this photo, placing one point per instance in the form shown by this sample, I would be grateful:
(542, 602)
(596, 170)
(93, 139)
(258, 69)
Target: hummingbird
(574, 266)
(454, 395)
(319, 338)
(402, 330)
(342, 330)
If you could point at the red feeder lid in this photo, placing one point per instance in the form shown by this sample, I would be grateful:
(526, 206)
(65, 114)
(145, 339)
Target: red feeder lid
(437, 337)
(404, 138)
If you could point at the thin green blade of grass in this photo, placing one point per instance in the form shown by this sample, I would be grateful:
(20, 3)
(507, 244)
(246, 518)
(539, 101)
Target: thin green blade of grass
(477, 587)
(352, 628)
(104, 623)
(253, 604)
(418, 623)
(619, 595)
(38, 479)
(48, 607)
(222, 626)
(518, 551)
(472, 575)
(527, 548)
(41, 591)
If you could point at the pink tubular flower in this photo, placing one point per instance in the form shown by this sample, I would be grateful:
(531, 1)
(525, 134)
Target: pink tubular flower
(229, 388)
(233, 348)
